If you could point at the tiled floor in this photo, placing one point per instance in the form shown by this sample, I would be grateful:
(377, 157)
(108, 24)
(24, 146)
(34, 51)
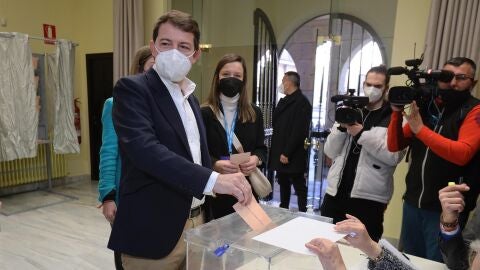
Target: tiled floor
(63, 229)
(65, 234)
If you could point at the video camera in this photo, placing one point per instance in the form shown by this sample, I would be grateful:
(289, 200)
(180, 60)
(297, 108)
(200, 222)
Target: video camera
(421, 84)
(349, 107)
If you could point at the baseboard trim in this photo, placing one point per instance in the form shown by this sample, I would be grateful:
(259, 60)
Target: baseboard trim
(43, 185)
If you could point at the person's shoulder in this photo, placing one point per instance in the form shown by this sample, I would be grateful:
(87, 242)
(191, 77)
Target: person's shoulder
(256, 108)
(131, 80)
(301, 94)
(206, 110)
(108, 101)
(107, 106)
(305, 101)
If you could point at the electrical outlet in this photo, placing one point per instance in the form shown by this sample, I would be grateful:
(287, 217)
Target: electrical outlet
(3, 22)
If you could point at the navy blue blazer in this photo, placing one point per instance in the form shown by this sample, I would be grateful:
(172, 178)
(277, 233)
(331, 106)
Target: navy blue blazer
(159, 178)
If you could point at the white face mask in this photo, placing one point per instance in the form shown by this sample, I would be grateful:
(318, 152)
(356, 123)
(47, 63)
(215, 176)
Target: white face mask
(172, 65)
(373, 93)
(281, 89)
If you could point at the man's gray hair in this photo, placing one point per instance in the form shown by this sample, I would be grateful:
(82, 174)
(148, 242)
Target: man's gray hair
(293, 77)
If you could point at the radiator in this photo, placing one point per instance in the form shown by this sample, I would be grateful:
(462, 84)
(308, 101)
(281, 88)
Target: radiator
(31, 170)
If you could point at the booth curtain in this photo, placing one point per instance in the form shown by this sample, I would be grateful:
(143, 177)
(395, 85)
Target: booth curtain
(128, 34)
(18, 113)
(60, 68)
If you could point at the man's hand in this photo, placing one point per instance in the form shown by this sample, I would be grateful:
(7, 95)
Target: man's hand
(283, 159)
(452, 201)
(248, 167)
(414, 118)
(357, 236)
(109, 209)
(236, 185)
(225, 167)
(327, 252)
(354, 129)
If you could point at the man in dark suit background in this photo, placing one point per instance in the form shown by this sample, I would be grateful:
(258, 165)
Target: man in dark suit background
(291, 121)
(166, 169)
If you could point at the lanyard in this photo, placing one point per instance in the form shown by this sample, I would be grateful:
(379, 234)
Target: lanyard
(229, 132)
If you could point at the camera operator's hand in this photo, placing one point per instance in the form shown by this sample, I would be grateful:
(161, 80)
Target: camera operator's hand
(414, 118)
(354, 129)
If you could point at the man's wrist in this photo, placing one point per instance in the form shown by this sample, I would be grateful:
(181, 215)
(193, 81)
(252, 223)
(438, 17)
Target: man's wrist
(449, 221)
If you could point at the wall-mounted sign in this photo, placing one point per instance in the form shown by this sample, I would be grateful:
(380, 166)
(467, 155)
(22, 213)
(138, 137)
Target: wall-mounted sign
(49, 33)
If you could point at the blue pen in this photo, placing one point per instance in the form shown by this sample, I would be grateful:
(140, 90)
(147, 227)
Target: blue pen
(221, 249)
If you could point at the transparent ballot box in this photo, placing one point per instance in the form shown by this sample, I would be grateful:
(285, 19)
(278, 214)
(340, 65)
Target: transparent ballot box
(206, 243)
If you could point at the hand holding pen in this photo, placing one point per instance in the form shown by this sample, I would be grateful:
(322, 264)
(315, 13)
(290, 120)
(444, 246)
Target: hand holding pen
(452, 201)
(358, 237)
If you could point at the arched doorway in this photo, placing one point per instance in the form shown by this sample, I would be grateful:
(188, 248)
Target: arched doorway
(332, 54)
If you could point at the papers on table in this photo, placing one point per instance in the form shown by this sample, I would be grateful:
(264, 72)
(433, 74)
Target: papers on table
(294, 234)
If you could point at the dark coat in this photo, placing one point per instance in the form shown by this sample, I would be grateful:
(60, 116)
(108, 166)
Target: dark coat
(251, 135)
(291, 123)
(159, 178)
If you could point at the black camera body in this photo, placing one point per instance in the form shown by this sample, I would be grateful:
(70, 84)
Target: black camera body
(421, 84)
(349, 107)
(403, 95)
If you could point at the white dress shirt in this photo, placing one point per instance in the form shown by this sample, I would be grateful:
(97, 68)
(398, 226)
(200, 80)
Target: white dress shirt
(180, 98)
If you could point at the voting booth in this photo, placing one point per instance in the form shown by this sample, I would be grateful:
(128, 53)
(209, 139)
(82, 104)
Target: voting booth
(227, 243)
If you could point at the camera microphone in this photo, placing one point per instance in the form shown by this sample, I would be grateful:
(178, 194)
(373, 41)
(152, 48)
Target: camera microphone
(397, 71)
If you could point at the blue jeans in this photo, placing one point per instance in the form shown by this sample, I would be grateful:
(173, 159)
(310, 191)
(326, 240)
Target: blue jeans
(420, 232)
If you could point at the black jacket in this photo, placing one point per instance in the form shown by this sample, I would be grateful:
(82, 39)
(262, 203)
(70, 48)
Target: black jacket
(251, 135)
(291, 122)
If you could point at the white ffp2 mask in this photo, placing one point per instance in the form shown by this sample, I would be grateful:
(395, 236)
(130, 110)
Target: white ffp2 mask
(172, 65)
(373, 93)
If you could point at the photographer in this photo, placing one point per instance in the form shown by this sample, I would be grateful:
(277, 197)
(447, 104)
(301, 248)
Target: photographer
(360, 180)
(444, 138)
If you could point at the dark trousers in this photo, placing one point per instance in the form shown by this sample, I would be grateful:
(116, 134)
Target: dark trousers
(286, 180)
(420, 231)
(368, 212)
(117, 256)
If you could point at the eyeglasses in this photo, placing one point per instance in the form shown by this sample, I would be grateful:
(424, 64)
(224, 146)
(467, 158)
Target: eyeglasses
(462, 77)
(185, 49)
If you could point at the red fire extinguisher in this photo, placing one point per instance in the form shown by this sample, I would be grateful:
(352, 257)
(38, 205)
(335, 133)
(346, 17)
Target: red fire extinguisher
(76, 120)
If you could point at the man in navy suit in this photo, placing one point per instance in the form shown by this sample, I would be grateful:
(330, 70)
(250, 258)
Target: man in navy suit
(166, 169)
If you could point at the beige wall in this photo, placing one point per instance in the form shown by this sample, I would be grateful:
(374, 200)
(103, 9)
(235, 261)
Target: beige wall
(410, 28)
(152, 9)
(87, 22)
(92, 22)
